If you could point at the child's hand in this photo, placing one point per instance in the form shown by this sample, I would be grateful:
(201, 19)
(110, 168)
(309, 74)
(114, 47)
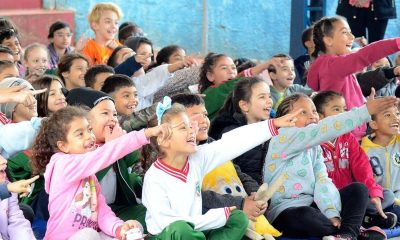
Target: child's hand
(143, 59)
(130, 224)
(336, 222)
(396, 71)
(113, 133)
(251, 208)
(21, 186)
(81, 43)
(376, 201)
(289, 120)
(112, 44)
(375, 106)
(163, 132)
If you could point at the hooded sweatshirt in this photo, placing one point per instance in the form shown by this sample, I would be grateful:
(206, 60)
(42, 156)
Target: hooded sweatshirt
(385, 162)
(337, 73)
(75, 199)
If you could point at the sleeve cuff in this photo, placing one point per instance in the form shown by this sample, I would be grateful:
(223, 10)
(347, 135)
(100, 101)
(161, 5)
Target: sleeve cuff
(272, 128)
(227, 212)
(332, 213)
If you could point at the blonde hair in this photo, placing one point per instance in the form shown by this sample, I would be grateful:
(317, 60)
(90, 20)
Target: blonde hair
(99, 8)
(33, 46)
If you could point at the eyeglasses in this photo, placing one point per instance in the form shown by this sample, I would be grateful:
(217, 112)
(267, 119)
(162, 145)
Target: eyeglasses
(61, 35)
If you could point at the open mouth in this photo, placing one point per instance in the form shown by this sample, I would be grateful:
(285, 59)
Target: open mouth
(192, 141)
(90, 146)
(267, 110)
(395, 126)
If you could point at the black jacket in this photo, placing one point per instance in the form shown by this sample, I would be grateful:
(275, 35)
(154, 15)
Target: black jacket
(250, 162)
(383, 9)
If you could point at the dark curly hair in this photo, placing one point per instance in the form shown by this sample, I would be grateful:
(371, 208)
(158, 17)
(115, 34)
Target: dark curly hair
(208, 65)
(53, 129)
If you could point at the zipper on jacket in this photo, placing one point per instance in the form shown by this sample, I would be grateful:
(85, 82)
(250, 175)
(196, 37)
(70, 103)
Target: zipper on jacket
(119, 170)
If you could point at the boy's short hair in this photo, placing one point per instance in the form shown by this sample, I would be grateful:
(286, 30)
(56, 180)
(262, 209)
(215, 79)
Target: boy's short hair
(272, 68)
(306, 36)
(115, 82)
(91, 74)
(95, 14)
(6, 64)
(187, 99)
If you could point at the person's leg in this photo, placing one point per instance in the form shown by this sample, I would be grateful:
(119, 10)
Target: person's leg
(354, 199)
(372, 218)
(304, 222)
(179, 230)
(376, 27)
(358, 23)
(86, 233)
(235, 227)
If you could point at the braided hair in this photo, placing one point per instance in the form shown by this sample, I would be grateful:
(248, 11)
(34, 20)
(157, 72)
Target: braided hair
(324, 27)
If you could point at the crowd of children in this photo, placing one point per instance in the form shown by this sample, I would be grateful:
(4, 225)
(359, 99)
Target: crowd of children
(111, 139)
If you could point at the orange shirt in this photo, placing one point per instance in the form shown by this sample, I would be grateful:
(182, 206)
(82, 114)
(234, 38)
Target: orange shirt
(97, 54)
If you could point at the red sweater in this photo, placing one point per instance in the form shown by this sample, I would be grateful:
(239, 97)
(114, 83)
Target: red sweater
(346, 162)
(336, 73)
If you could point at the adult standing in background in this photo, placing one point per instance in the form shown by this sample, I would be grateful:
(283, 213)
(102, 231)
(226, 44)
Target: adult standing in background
(371, 15)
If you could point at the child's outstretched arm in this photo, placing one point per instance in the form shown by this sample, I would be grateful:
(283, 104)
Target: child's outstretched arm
(345, 65)
(240, 140)
(118, 144)
(294, 140)
(128, 67)
(17, 137)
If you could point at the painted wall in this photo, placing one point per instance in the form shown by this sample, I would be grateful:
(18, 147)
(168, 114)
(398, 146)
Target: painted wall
(253, 29)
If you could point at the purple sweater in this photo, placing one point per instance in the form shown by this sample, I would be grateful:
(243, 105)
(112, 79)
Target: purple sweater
(336, 73)
(13, 224)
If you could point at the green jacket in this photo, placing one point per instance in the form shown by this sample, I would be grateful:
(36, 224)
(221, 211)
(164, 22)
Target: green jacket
(215, 97)
(20, 168)
(129, 184)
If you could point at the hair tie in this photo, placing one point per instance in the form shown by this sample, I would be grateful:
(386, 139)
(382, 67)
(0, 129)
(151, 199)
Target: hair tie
(162, 107)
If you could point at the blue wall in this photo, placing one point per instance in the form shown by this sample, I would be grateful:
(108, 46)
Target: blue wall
(253, 29)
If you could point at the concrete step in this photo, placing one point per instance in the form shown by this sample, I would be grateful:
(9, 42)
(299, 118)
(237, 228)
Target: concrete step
(33, 24)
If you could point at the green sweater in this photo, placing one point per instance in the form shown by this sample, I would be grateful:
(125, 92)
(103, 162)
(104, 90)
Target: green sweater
(215, 97)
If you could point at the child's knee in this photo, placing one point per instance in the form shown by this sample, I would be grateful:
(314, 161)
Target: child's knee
(181, 229)
(239, 219)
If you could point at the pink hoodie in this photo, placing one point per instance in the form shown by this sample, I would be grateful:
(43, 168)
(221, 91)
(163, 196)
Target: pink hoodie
(336, 73)
(70, 181)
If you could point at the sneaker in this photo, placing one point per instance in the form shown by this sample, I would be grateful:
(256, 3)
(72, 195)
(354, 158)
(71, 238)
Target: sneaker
(376, 220)
(372, 233)
(339, 237)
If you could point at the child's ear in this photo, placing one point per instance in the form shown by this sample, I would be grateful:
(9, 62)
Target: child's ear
(62, 146)
(210, 76)
(65, 74)
(244, 106)
(94, 26)
(308, 44)
(165, 143)
(272, 75)
(373, 124)
(328, 41)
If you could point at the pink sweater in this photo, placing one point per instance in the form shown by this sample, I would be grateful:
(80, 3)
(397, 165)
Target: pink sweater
(336, 73)
(70, 182)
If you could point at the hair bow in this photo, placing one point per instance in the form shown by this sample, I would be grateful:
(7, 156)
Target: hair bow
(162, 107)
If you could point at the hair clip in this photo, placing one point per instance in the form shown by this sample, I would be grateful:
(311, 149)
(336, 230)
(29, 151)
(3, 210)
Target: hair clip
(162, 107)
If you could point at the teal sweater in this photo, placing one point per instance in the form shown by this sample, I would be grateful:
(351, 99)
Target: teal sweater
(296, 153)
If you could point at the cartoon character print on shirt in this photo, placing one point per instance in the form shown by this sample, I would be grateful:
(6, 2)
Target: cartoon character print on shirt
(329, 157)
(396, 159)
(84, 206)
